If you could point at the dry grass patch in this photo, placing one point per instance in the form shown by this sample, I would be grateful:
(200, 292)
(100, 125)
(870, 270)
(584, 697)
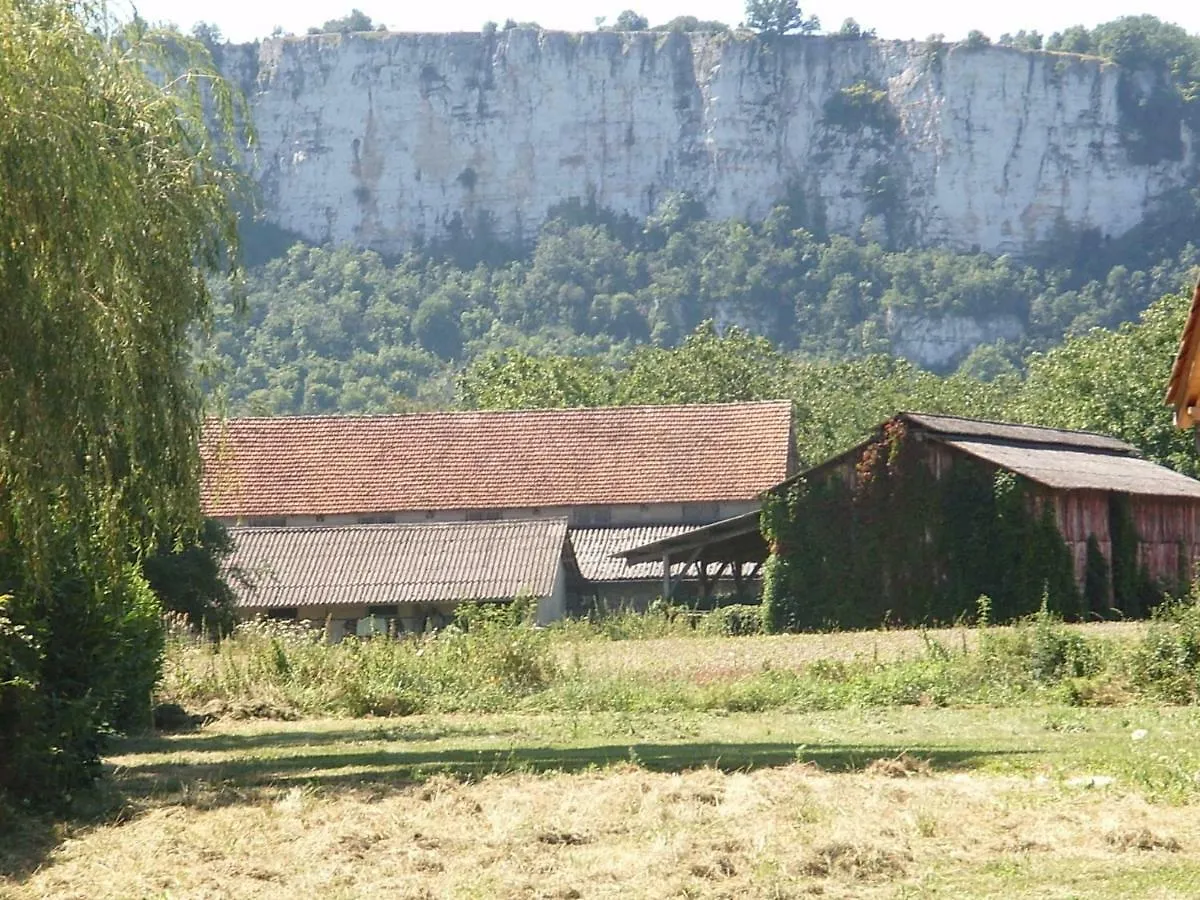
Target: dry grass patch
(902, 765)
(620, 832)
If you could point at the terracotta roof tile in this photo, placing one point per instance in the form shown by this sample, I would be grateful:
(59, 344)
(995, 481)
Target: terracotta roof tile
(388, 564)
(329, 465)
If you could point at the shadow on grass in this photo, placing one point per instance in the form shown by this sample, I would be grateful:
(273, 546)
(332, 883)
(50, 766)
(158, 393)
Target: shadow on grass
(271, 761)
(236, 780)
(202, 741)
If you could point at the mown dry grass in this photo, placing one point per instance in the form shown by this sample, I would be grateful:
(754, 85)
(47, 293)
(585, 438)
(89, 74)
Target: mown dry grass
(895, 803)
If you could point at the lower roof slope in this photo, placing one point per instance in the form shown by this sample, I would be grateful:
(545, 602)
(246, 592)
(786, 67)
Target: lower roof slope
(390, 564)
(331, 465)
(596, 549)
(1074, 470)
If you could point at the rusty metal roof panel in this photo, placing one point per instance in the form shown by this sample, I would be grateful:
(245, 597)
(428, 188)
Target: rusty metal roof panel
(1082, 470)
(979, 429)
(389, 564)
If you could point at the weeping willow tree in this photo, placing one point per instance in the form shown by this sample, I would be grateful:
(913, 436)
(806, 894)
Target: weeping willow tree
(115, 207)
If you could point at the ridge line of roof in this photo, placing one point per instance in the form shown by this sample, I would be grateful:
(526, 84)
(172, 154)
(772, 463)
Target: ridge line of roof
(1050, 428)
(495, 412)
(397, 526)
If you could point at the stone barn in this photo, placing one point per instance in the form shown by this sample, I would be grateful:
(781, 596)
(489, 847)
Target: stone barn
(619, 476)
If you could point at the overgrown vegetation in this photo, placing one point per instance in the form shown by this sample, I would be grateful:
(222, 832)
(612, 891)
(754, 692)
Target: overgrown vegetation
(861, 105)
(880, 539)
(496, 666)
(114, 207)
(342, 330)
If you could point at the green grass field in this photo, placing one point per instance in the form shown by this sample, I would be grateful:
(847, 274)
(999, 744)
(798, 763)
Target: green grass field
(856, 773)
(911, 802)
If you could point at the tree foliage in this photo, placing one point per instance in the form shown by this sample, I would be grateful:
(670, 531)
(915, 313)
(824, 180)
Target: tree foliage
(690, 24)
(342, 329)
(776, 17)
(629, 20)
(114, 204)
(355, 20)
(188, 577)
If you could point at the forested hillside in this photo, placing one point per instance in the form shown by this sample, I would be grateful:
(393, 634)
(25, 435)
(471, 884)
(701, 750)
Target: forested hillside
(588, 312)
(342, 330)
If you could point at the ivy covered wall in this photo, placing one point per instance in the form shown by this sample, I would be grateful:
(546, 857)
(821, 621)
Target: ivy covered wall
(907, 531)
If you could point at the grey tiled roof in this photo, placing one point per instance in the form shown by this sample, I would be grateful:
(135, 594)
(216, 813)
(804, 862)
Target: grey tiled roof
(1084, 470)
(387, 564)
(594, 548)
(954, 426)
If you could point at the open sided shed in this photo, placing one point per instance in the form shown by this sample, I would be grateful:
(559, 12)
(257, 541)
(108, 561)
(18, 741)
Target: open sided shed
(732, 550)
(367, 578)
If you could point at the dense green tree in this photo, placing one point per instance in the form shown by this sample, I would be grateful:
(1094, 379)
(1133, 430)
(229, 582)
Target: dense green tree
(631, 21)
(775, 17)
(188, 577)
(851, 30)
(1113, 382)
(114, 204)
(692, 24)
(355, 20)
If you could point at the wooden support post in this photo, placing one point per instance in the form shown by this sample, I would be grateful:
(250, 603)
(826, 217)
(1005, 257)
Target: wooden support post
(702, 575)
(666, 577)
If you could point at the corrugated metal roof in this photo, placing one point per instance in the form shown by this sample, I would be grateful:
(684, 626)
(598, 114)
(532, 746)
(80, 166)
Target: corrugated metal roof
(1084, 470)
(954, 426)
(594, 548)
(386, 564)
(738, 538)
(331, 465)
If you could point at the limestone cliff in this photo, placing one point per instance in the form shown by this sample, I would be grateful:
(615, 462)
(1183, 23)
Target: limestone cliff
(383, 139)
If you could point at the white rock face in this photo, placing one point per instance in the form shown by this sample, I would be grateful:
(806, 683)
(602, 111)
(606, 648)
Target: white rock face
(381, 140)
(940, 343)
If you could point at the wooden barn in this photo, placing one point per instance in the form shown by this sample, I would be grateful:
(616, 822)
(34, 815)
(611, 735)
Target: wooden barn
(934, 511)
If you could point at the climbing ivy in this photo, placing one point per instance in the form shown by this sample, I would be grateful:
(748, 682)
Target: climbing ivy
(896, 544)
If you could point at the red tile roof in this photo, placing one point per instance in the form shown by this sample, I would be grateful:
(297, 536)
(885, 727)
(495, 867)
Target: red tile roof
(330, 465)
(386, 564)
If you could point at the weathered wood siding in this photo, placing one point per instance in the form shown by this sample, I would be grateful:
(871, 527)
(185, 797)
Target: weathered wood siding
(1169, 536)
(1079, 515)
(1168, 528)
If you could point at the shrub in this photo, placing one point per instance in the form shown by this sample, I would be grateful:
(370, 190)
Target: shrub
(733, 620)
(1166, 662)
(77, 662)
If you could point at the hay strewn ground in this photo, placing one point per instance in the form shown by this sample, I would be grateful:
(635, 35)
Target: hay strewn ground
(1038, 761)
(898, 803)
